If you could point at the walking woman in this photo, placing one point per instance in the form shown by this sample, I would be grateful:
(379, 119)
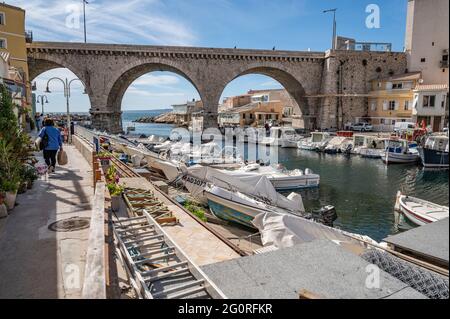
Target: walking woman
(53, 143)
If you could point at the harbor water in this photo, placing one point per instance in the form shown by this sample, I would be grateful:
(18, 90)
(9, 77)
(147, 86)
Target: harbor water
(362, 190)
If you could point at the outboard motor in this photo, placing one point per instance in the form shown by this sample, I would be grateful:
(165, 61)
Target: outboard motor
(326, 215)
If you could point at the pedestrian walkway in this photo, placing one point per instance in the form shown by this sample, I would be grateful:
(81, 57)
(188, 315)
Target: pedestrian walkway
(35, 261)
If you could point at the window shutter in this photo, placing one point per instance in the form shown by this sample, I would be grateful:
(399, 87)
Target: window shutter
(385, 105)
(388, 85)
(396, 105)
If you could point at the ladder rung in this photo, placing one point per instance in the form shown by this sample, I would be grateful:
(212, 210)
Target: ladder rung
(157, 270)
(138, 234)
(130, 219)
(151, 260)
(133, 224)
(166, 275)
(142, 239)
(152, 252)
(180, 287)
(187, 293)
(137, 228)
(148, 245)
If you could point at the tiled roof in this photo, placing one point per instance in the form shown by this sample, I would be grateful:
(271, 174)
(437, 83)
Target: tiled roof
(431, 87)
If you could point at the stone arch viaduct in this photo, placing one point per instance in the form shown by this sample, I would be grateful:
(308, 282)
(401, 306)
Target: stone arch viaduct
(328, 87)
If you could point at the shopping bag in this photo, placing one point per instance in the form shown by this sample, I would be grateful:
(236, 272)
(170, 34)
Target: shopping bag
(62, 157)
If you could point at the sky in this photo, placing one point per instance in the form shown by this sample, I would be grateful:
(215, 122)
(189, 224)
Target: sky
(251, 24)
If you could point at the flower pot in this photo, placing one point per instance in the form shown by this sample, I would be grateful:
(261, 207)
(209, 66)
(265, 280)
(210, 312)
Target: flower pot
(10, 199)
(3, 210)
(22, 188)
(115, 203)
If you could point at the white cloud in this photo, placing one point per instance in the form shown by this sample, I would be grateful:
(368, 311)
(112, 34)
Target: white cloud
(270, 83)
(135, 91)
(107, 22)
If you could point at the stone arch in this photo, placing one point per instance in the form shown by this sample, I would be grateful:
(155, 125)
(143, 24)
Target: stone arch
(133, 71)
(290, 82)
(39, 63)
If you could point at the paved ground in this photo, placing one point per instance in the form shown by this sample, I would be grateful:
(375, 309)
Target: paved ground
(36, 262)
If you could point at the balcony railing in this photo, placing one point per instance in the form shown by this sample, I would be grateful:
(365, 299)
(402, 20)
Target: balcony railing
(29, 36)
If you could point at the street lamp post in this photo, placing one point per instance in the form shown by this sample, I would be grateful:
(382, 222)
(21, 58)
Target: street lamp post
(43, 99)
(84, 18)
(66, 84)
(333, 44)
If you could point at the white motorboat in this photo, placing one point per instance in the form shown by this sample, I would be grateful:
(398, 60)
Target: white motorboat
(335, 145)
(279, 136)
(318, 141)
(281, 178)
(398, 152)
(419, 211)
(238, 199)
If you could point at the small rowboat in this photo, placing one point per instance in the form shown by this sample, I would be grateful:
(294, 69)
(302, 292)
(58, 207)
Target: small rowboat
(419, 211)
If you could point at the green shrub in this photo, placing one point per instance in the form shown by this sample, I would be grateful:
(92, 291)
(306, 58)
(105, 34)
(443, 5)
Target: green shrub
(196, 210)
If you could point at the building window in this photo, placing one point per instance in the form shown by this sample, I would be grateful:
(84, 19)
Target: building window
(391, 105)
(3, 44)
(251, 116)
(373, 105)
(2, 18)
(243, 116)
(443, 101)
(397, 86)
(406, 105)
(382, 121)
(423, 60)
(429, 100)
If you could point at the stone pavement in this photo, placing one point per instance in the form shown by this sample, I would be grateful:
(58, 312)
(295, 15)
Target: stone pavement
(36, 262)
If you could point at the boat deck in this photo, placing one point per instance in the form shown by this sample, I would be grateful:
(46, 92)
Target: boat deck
(430, 242)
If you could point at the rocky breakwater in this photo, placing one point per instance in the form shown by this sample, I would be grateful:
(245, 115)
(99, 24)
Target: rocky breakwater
(166, 118)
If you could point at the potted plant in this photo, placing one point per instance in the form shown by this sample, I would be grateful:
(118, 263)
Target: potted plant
(10, 187)
(104, 158)
(115, 191)
(30, 175)
(3, 209)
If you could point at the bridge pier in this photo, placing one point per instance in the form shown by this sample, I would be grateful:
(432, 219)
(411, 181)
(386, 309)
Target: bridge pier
(107, 121)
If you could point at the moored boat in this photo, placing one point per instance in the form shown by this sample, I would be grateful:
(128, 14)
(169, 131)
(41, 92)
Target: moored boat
(419, 211)
(434, 153)
(398, 152)
(281, 178)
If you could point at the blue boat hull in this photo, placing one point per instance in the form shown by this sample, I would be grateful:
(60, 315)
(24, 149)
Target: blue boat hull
(231, 215)
(433, 158)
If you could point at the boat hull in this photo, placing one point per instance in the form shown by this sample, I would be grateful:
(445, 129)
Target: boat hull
(399, 158)
(232, 210)
(295, 182)
(433, 158)
(424, 217)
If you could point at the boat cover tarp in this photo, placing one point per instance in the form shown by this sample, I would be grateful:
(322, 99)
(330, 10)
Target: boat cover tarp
(252, 185)
(284, 231)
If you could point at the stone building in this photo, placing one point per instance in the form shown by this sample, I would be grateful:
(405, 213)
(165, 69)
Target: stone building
(253, 114)
(426, 47)
(391, 100)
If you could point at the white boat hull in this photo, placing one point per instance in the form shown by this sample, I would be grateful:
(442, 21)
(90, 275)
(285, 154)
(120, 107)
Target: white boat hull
(399, 158)
(420, 212)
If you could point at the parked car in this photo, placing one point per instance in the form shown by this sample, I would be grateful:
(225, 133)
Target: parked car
(361, 127)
